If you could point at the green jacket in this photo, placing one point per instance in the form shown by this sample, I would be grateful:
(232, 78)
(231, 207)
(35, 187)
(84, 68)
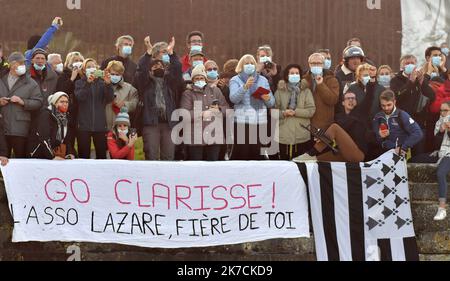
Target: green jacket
(290, 131)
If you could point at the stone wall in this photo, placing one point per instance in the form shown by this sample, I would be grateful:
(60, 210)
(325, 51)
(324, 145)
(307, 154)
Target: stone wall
(433, 237)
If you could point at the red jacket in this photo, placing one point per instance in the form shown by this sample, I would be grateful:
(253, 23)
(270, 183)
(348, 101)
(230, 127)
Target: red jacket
(116, 152)
(186, 64)
(442, 91)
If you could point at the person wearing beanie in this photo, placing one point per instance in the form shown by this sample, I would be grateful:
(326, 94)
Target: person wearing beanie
(121, 139)
(159, 83)
(204, 145)
(50, 139)
(19, 96)
(42, 42)
(196, 58)
(43, 74)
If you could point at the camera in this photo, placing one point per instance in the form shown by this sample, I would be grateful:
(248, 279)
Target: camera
(133, 131)
(98, 73)
(268, 64)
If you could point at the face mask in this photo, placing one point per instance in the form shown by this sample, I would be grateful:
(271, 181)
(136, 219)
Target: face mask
(196, 48)
(212, 74)
(125, 132)
(249, 69)
(59, 68)
(21, 69)
(38, 67)
(317, 70)
(200, 84)
(77, 64)
(445, 51)
(115, 79)
(90, 71)
(166, 59)
(436, 61)
(265, 59)
(294, 78)
(409, 68)
(433, 75)
(327, 64)
(63, 108)
(127, 50)
(158, 72)
(365, 80)
(384, 80)
(197, 62)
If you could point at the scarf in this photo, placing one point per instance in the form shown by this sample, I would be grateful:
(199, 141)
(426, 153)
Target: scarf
(295, 91)
(159, 95)
(61, 120)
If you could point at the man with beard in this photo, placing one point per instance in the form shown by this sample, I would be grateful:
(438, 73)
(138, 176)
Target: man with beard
(394, 128)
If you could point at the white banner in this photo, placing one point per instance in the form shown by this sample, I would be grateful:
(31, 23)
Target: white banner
(156, 204)
(425, 23)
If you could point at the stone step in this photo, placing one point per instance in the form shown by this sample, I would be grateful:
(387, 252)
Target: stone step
(423, 214)
(434, 242)
(423, 173)
(425, 192)
(434, 257)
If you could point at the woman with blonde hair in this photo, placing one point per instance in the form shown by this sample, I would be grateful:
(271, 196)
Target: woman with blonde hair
(125, 95)
(251, 95)
(384, 76)
(93, 92)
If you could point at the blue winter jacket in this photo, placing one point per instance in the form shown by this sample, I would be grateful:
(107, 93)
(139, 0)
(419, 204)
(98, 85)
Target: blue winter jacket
(46, 38)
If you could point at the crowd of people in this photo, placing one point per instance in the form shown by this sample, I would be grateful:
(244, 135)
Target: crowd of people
(352, 112)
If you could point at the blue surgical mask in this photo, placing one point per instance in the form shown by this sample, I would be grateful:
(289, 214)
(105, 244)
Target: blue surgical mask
(200, 84)
(409, 69)
(433, 75)
(38, 67)
(436, 61)
(127, 50)
(196, 62)
(384, 80)
(365, 80)
(166, 59)
(445, 51)
(294, 78)
(327, 64)
(115, 79)
(196, 48)
(249, 69)
(212, 74)
(90, 71)
(317, 70)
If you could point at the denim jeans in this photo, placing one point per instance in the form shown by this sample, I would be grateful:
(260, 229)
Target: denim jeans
(442, 171)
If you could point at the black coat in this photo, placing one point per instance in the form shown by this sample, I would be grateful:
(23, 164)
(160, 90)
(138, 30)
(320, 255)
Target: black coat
(173, 86)
(42, 140)
(130, 67)
(408, 96)
(68, 86)
(92, 99)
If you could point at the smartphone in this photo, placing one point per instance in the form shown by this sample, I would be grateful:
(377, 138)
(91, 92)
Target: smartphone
(99, 73)
(8, 99)
(133, 131)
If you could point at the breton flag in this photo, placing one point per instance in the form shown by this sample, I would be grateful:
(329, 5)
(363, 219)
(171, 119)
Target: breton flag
(361, 211)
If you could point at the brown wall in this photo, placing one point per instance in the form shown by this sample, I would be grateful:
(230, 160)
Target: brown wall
(294, 28)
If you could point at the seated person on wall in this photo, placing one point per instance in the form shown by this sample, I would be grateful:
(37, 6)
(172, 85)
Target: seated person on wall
(121, 139)
(394, 128)
(347, 134)
(51, 139)
(442, 131)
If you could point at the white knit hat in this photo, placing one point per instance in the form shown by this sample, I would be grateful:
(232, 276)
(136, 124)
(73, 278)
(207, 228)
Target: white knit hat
(52, 99)
(198, 70)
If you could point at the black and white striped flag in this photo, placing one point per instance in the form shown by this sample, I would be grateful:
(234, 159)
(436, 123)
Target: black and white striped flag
(361, 211)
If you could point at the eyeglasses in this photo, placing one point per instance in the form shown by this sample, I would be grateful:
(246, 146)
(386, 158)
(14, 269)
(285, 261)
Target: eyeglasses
(196, 41)
(211, 69)
(445, 110)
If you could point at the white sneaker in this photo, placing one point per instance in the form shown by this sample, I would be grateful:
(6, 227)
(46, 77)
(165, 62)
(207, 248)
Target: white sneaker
(441, 214)
(305, 158)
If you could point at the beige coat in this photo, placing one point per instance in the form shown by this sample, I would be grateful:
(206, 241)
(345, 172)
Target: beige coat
(290, 131)
(122, 92)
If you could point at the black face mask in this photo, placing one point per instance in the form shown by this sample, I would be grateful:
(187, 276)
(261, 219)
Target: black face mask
(158, 72)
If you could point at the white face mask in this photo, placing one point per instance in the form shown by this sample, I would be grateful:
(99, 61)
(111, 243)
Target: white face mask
(21, 69)
(90, 71)
(59, 68)
(77, 64)
(125, 132)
